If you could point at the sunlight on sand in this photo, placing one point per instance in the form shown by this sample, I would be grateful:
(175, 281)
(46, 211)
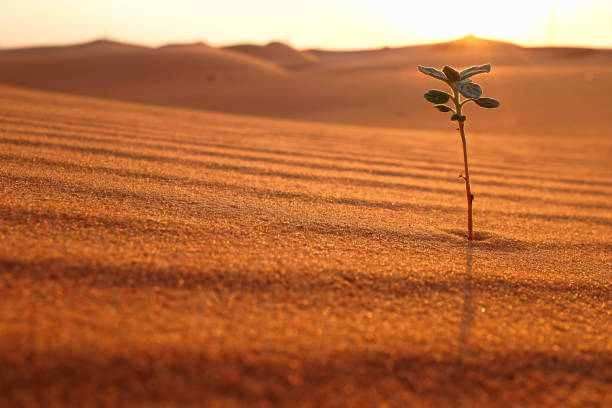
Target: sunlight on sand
(160, 256)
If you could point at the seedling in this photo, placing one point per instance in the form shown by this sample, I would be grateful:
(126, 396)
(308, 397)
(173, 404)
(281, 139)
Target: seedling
(461, 85)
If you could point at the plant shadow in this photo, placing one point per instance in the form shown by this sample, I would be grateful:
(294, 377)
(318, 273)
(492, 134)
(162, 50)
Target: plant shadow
(467, 313)
(489, 240)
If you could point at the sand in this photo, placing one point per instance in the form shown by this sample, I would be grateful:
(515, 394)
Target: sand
(547, 91)
(279, 53)
(156, 256)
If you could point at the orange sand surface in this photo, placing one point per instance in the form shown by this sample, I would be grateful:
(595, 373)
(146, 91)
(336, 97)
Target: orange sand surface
(157, 256)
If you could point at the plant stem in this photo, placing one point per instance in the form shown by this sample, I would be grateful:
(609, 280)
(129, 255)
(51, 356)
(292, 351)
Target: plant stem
(468, 190)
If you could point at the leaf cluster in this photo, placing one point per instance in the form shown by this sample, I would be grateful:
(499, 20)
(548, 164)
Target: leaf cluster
(461, 84)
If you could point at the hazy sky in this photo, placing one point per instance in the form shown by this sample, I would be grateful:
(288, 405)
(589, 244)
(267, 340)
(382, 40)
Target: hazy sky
(306, 23)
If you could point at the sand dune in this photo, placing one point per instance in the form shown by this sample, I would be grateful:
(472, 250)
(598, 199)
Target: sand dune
(197, 44)
(543, 91)
(173, 247)
(277, 52)
(92, 48)
(171, 257)
(461, 52)
(124, 71)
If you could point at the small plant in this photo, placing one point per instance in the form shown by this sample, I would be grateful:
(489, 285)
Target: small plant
(461, 85)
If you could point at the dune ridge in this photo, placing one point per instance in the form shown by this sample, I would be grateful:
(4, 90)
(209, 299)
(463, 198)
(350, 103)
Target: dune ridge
(378, 88)
(277, 52)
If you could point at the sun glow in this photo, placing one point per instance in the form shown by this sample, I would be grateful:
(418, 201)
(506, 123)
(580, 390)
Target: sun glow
(339, 24)
(444, 19)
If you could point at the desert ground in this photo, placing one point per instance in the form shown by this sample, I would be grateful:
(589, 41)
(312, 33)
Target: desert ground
(293, 234)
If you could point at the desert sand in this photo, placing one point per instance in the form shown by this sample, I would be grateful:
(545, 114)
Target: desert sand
(155, 253)
(547, 91)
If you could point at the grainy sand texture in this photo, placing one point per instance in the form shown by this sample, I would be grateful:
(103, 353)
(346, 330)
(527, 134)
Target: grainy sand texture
(164, 256)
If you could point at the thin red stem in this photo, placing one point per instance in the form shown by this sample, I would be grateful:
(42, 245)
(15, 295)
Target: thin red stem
(466, 177)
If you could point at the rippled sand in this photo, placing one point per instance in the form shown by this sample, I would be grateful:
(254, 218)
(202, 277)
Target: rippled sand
(164, 257)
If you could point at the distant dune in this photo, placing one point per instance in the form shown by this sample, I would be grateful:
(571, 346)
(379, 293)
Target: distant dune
(278, 53)
(92, 48)
(118, 60)
(542, 90)
(197, 44)
(461, 52)
(120, 71)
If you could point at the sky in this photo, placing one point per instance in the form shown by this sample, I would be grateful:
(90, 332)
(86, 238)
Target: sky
(330, 24)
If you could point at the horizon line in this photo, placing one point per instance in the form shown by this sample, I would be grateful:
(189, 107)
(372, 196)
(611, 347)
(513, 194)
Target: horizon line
(271, 41)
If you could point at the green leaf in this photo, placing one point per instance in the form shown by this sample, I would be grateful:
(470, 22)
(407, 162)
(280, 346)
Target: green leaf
(468, 89)
(437, 97)
(479, 69)
(432, 72)
(443, 108)
(460, 118)
(452, 74)
(487, 102)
